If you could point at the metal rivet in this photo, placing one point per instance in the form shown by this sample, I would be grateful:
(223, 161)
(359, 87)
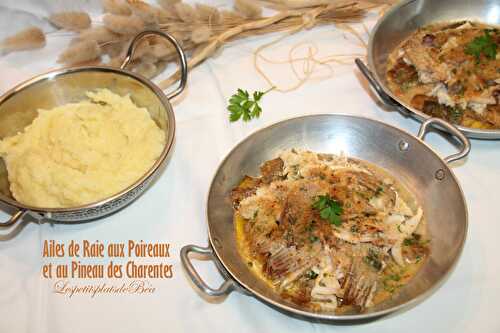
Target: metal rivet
(217, 243)
(439, 174)
(403, 145)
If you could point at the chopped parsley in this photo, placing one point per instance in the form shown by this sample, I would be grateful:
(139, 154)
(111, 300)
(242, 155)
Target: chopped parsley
(329, 209)
(310, 227)
(372, 259)
(455, 114)
(415, 239)
(482, 45)
(410, 241)
(392, 281)
(311, 275)
(391, 286)
(394, 277)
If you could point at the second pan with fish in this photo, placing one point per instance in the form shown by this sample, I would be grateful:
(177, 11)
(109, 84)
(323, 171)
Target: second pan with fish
(406, 157)
(399, 23)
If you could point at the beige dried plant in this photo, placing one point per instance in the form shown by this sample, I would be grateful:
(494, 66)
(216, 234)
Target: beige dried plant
(123, 25)
(73, 21)
(118, 7)
(248, 8)
(28, 39)
(80, 52)
(201, 29)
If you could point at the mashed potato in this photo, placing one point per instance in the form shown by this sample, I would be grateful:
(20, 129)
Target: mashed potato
(83, 152)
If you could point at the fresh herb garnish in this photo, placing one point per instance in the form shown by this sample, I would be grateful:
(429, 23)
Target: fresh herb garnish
(242, 105)
(394, 277)
(455, 114)
(373, 260)
(484, 45)
(310, 227)
(390, 282)
(409, 241)
(329, 209)
(407, 85)
(313, 238)
(415, 239)
(391, 286)
(311, 275)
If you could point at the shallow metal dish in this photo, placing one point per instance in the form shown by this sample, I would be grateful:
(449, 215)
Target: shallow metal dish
(19, 105)
(399, 23)
(403, 155)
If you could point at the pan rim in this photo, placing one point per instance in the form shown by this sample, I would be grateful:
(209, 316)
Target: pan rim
(322, 316)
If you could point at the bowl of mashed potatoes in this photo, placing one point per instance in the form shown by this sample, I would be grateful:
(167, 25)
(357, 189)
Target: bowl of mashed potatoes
(81, 143)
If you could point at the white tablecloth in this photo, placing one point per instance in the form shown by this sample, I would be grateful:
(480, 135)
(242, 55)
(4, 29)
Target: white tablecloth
(173, 210)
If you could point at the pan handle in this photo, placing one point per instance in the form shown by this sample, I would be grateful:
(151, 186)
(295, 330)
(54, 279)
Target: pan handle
(386, 99)
(178, 48)
(17, 216)
(207, 254)
(440, 123)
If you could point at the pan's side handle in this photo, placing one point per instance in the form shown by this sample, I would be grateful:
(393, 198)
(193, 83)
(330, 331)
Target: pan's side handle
(386, 99)
(437, 122)
(207, 253)
(17, 216)
(178, 49)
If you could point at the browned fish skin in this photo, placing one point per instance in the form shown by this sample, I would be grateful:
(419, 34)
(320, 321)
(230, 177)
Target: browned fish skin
(272, 170)
(247, 187)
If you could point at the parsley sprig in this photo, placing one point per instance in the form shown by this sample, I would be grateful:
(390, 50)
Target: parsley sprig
(484, 44)
(242, 105)
(329, 209)
(372, 259)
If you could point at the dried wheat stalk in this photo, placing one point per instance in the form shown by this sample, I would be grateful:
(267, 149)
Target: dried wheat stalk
(285, 20)
(200, 29)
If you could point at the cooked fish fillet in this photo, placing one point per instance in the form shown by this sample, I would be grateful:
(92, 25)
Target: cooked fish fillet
(321, 261)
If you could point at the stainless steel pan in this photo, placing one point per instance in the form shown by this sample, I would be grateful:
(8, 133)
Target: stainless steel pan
(405, 156)
(399, 23)
(18, 109)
